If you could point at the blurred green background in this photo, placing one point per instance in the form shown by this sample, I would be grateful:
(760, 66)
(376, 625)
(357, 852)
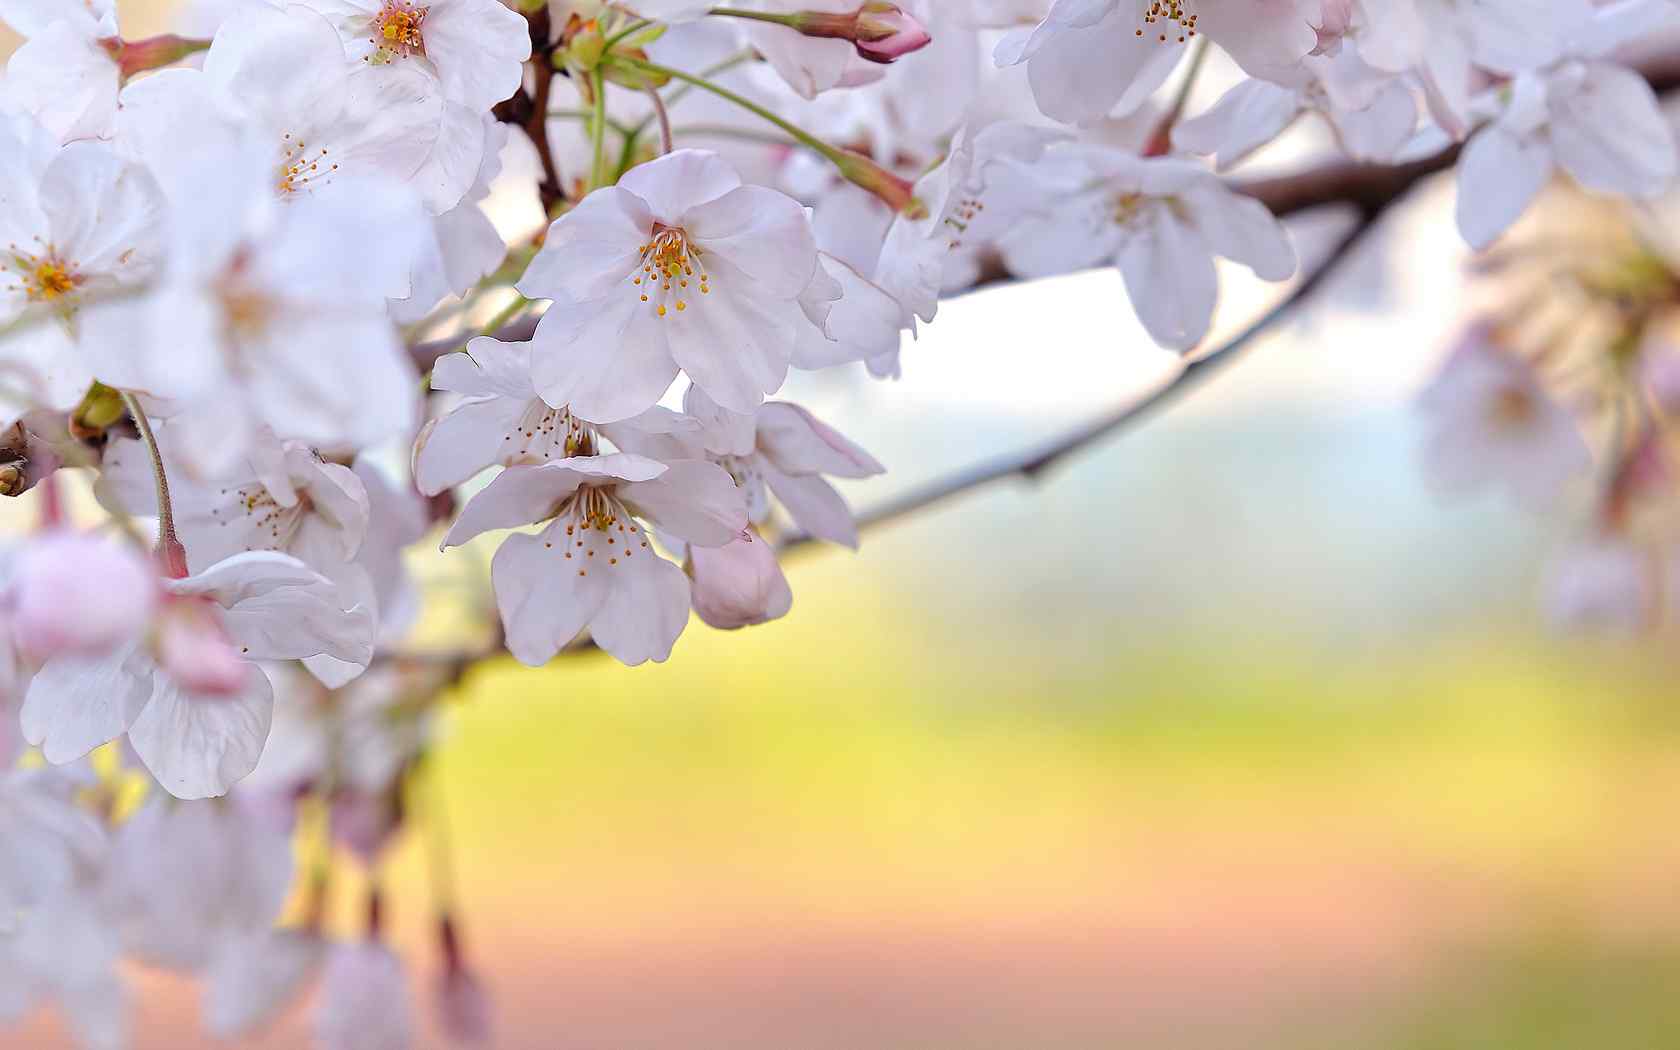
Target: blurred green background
(1226, 736)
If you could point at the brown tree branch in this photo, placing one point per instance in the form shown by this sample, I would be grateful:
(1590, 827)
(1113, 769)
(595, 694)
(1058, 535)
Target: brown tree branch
(1032, 464)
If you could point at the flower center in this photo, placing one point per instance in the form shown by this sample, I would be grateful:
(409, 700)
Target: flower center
(1511, 409)
(597, 531)
(1169, 20)
(280, 524)
(42, 278)
(543, 431)
(669, 266)
(398, 31)
(300, 167)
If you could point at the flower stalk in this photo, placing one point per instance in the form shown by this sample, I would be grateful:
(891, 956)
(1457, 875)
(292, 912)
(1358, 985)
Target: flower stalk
(897, 193)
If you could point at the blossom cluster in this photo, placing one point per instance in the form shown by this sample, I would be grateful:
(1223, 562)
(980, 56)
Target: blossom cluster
(307, 285)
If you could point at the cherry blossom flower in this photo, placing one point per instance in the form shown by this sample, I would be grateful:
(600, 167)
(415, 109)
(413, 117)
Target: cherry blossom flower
(1161, 220)
(75, 594)
(1492, 424)
(500, 421)
(1090, 57)
(592, 566)
(679, 267)
(63, 75)
(284, 497)
(57, 939)
(268, 317)
(78, 227)
(365, 1001)
(475, 48)
(195, 710)
(280, 78)
(190, 877)
(1597, 121)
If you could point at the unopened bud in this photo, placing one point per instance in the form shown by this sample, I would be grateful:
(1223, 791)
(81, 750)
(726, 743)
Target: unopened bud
(100, 409)
(881, 31)
(897, 193)
(11, 480)
(155, 52)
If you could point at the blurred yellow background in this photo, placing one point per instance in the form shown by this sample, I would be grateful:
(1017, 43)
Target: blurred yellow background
(1227, 736)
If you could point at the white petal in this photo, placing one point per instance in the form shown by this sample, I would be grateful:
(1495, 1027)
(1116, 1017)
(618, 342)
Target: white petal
(76, 704)
(645, 610)
(694, 500)
(200, 746)
(544, 598)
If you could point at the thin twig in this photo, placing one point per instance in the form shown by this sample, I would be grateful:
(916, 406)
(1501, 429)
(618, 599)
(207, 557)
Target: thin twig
(664, 119)
(1033, 463)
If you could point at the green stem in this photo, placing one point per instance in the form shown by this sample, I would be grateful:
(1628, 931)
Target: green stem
(681, 90)
(598, 130)
(855, 167)
(169, 545)
(634, 27)
(756, 16)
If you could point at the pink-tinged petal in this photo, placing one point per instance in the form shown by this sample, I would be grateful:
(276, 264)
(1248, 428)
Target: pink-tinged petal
(592, 250)
(242, 576)
(865, 322)
(1243, 230)
(545, 599)
(1611, 135)
(799, 443)
(736, 347)
(479, 48)
(764, 234)
(645, 610)
(680, 180)
(1499, 176)
(1082, 76)
(740, 584)
(365, 1002)
(197, 745)
(1248, 117)
(256, 975)
(607, 361)
(293, 623)
(75, 705)
(815, 507)
(455, 448)
(1171, 279)
(193, 647)
(488, 368)
(695, 500)
(78, 594)
(524, 495)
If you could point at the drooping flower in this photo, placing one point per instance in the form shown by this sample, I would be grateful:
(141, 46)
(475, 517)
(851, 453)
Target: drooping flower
(195, 708)
(1160, 220)
(1599, 122)
(593, 566)
(1492, 424)
(282, 497)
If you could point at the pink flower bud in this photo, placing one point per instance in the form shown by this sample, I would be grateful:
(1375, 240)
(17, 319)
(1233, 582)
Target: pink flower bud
(739, 585)
(1337, 19)
(886, 34)
(77, 594)
(194, 649)
(881, 31)
(463, 1007)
